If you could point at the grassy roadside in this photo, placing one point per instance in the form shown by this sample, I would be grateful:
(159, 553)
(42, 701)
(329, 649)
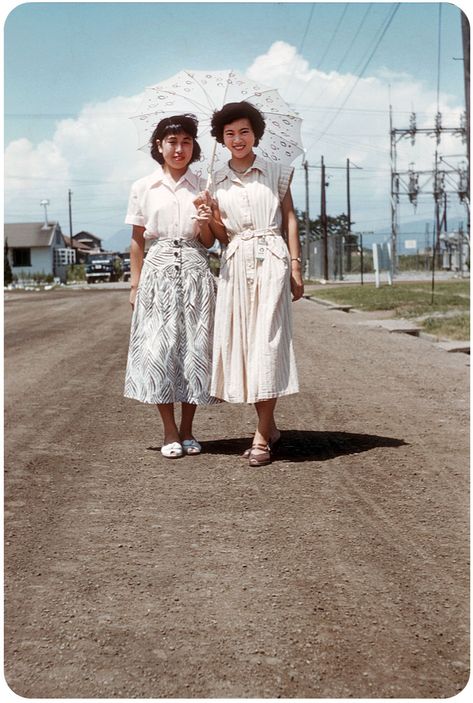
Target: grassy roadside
(447, 317)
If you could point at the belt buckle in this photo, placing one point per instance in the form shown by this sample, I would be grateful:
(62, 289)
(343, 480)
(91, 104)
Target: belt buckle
(247, 234)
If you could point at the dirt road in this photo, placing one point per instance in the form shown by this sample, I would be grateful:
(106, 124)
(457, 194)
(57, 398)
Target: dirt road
(341, 570)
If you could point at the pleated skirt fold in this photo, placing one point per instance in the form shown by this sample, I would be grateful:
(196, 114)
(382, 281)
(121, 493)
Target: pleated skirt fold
(253, 354)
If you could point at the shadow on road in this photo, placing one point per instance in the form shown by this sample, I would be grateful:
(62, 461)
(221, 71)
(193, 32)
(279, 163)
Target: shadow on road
(307, 445)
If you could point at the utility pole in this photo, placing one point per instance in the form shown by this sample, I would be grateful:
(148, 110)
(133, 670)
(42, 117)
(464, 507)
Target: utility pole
(434, 255)
(70, 216)
(349, 218)
(323, 217)
(466, 75)
(307, 221)
(426, 245)
(394, 194)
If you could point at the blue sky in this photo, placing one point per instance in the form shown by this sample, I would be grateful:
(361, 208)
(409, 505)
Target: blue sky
(61, 58)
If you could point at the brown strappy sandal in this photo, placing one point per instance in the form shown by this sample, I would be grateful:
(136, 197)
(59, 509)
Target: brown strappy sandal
(262, 458)
(273, 446)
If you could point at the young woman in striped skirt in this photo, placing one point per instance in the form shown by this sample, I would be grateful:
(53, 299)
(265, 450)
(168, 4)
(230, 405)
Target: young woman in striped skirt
(172, 289)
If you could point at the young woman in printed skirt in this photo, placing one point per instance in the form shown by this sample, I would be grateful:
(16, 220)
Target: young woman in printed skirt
(172, 288)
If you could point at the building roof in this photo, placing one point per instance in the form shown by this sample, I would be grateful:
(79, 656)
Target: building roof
(76, 244)
(29, 234)
(88, 238)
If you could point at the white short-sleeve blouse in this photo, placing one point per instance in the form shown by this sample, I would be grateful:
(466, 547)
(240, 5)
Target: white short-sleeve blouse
(165, 207)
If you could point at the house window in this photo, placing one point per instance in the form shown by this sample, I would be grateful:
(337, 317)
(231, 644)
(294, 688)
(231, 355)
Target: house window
(64, 257)
(21, 257)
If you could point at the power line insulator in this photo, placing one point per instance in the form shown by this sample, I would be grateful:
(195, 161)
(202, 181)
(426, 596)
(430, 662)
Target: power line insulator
(463, 125)
(396, 188)
(412, 127)
(413, 189)
(438, 126)
(439, 185)
(463, 184)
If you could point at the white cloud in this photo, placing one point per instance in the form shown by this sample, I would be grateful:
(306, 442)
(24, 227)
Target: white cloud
(96, 153)
(360, 131)
(281, 61)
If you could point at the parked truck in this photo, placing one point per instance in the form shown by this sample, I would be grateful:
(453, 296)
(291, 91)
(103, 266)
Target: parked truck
(100, 267)
(126, 273)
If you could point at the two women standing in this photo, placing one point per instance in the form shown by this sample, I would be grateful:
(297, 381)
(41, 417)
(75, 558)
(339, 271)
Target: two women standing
(252, 214)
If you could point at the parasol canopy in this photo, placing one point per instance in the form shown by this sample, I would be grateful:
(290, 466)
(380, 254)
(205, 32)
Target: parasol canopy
(200, 93)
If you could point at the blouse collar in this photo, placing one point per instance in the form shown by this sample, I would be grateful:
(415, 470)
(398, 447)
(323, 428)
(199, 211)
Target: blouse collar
(159, 176)
(259, 164)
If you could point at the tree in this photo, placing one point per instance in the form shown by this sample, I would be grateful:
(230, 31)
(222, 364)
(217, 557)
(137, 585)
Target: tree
(336, 226)
(7, 272)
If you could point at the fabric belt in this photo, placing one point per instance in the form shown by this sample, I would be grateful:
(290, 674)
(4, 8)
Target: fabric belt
(249, 233)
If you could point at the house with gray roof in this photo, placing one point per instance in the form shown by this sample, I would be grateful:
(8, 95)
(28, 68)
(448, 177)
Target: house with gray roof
(34, 247)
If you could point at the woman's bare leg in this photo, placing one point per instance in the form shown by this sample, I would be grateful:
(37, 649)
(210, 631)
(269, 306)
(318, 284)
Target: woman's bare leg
(266, 430)
(187, 418)
(171, 433)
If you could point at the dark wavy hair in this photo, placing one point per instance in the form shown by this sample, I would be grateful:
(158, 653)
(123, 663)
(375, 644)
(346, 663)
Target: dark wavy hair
(237, 111)
(175, 125)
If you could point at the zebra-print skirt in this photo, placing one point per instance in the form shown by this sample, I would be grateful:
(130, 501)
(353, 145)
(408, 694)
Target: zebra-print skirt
(170, 352)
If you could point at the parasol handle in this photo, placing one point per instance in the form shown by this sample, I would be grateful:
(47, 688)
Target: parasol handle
(212, 158)
(211, 165)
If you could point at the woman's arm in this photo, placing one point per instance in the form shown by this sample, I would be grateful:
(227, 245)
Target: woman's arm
(216, 225)
(137, 255)
(291, 230)
(206, 235)
(204, 200)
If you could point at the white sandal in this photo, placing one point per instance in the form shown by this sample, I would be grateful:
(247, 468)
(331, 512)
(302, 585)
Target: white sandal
(191, 446)
(173, 450)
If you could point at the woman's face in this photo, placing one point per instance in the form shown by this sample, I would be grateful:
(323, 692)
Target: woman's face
(176, 150)
(239, 138)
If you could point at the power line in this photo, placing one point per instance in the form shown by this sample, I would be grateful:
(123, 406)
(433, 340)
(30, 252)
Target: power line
(357, 67)
(349, 47)
(331, 41)
(367, 62)
(380, 111)
(49, 179)
(439, 46)
(334, 35)
(360, 26)
(299, 50)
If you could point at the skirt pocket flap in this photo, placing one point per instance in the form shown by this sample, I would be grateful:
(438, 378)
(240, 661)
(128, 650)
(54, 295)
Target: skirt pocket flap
(230, 250)
(277, 246)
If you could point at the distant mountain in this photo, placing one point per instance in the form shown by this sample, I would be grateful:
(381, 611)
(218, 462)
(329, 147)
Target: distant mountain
(419, 226)
(118, 241)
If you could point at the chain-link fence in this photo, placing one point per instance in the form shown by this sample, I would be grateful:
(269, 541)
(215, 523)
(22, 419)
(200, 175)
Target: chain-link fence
(354, 255)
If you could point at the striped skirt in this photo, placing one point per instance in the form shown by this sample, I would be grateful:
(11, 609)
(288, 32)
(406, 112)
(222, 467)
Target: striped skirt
(253, 354)
(169, 356)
